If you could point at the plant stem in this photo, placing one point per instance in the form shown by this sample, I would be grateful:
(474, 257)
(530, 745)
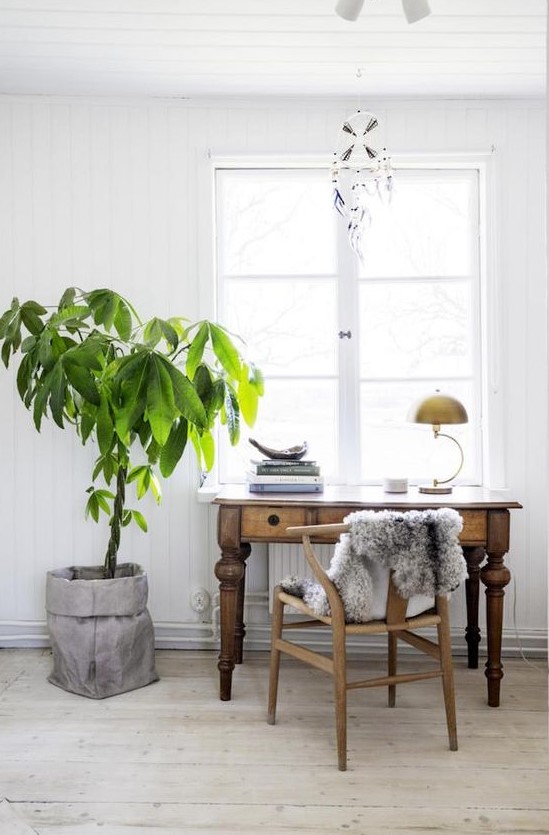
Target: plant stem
(116, 522)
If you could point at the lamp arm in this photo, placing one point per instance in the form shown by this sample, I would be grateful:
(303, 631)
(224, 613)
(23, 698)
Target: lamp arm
(439, 434)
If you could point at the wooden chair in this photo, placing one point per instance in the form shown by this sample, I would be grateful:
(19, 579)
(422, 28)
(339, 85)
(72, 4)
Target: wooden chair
(395, 625)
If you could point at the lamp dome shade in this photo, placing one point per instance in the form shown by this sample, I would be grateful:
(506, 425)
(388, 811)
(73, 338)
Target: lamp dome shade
(438, 409)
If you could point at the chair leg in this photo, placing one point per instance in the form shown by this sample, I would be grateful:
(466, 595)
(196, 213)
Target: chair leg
(340, 693)
(392, 665)
(276, 632)
(446, 665)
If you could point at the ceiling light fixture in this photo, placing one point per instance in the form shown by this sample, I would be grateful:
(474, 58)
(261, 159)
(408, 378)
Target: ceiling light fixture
(349, 9)
(414, 10)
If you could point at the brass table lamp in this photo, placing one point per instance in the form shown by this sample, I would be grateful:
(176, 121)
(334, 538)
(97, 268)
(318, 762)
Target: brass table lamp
(436, 410)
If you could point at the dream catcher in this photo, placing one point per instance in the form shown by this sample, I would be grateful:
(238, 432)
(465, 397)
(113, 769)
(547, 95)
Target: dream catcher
(361, 174)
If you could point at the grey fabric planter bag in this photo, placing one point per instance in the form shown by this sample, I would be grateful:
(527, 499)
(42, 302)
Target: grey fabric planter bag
(101, 633)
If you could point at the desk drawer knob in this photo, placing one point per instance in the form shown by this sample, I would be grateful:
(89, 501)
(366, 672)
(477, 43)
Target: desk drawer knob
(273, 520)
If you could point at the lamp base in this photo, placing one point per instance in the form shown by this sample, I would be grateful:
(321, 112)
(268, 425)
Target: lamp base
(435, 490)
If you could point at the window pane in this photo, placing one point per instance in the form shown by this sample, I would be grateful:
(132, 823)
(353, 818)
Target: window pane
(425, 229)
(416, 329)
(289, 326)
(276, 223)
(292, 411)
(393, 447)
(288, 282)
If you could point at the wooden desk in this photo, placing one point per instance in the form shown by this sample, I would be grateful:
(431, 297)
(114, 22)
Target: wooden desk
(245, 518)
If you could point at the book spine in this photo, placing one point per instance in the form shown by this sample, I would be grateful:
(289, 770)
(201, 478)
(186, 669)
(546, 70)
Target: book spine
(283, 479)
(286, 488)
(281, 462)
(305, 469)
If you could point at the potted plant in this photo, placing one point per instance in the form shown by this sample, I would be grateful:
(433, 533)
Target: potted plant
(141, 391)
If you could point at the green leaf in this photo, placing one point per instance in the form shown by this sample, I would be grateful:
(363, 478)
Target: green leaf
(74, 315)
(124, 368)
(195, 440)
(123, 321)
(41, 399)
(170, 334)
(248, 396)
(102, 500)
(24, 375)
(6, 349)
(88, 415)
(211, 394)
(152, 333)
(140, 520)
(28, 344)
(81, 379)
(67, 299)
(186, 398)
(92, 508)
(45, 352)
(156, 489)
(104, 306)
(196, 350)
(145, 479)
(232, 415)
(31, 320)
(144, 432)
(110, 466)
(207, 446)
(89, 353)
(98, 500)
(57, 396)
(225, 351)
(109, 310)
(58, 345)
(98, 467)
(104, 425)
(203, 384)
(131, 380)
(153, 451)
(173, 448)
(141, 475)
(8, 317)
(161, 411)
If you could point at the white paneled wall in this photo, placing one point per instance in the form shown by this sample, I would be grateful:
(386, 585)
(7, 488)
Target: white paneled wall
(119, 193)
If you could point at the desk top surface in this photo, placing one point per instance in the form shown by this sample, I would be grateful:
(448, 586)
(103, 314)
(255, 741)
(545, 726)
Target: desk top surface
(370, 497)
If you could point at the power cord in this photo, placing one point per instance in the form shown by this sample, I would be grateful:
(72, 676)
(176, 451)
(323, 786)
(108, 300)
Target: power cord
(521, 651)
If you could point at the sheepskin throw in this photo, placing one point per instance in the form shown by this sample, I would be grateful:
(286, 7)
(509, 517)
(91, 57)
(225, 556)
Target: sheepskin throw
(420, 546)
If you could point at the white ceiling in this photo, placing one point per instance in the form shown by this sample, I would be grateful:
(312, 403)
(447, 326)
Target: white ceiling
(188, 48)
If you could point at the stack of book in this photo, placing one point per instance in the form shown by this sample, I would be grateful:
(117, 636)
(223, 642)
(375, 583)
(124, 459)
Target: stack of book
(284, 476)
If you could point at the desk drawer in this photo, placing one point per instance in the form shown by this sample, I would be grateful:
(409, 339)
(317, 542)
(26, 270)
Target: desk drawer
(270, 522)
(474, 525)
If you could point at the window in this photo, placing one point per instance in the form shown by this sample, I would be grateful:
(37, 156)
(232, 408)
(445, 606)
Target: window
(346, 347)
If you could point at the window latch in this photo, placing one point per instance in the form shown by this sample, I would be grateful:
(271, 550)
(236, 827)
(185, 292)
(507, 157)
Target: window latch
(344, 334)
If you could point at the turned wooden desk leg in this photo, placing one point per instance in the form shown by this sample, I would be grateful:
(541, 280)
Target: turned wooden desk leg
(240, 629)
(495, 575)
(475, 558)
(230, 570)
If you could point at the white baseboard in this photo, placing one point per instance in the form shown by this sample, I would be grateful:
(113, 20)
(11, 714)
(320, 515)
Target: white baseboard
(531, 643)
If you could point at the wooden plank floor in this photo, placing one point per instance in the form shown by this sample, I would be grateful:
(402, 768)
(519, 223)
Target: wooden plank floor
(171, 758)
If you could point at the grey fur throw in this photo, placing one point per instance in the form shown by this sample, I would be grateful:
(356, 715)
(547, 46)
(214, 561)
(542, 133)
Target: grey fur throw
(420, 546)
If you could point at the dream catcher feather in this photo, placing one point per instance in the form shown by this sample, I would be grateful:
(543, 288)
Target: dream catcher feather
(361, 174)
